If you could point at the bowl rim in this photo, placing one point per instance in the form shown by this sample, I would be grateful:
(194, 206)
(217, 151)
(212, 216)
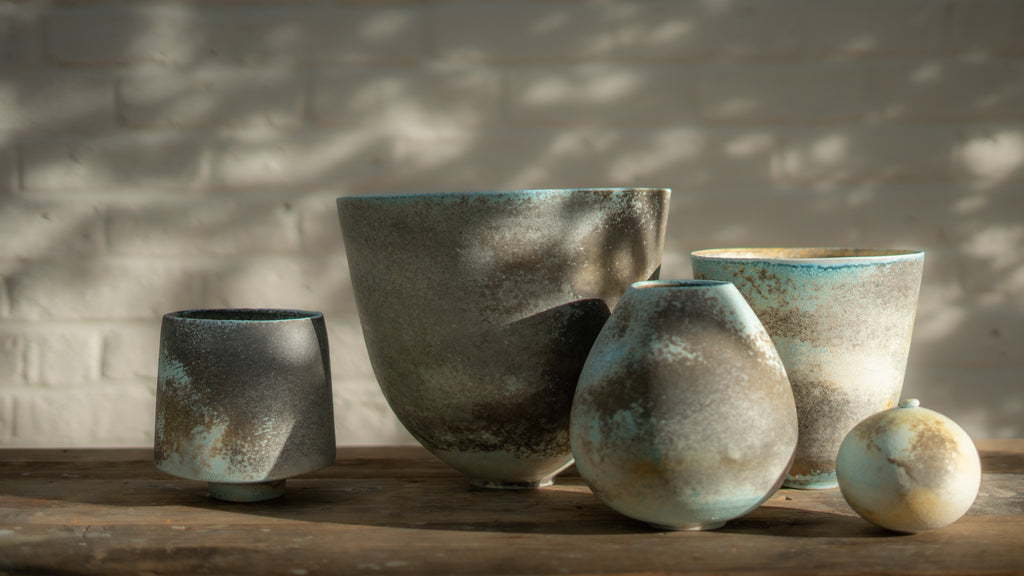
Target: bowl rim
(242, 315)
(508, 193)
(829, 255)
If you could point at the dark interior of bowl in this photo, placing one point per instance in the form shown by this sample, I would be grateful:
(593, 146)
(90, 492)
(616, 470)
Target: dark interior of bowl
(245, 314)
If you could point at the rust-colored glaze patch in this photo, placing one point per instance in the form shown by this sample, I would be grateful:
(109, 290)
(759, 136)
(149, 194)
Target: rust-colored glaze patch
(243, 401)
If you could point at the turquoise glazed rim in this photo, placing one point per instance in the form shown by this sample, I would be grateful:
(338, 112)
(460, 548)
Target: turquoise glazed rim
(818, 256)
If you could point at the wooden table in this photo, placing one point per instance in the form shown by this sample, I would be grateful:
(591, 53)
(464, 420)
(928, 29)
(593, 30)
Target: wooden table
(398, 510)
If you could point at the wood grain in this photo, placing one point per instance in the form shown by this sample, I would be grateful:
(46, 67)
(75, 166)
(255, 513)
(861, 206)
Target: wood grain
(398, 510)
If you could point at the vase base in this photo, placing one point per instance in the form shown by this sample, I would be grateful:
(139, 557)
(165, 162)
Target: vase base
(688, 527)
(510, 484)
(255, 492)
(820, 481)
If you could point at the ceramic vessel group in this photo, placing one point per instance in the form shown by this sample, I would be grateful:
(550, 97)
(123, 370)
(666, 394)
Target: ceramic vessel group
(515, 332)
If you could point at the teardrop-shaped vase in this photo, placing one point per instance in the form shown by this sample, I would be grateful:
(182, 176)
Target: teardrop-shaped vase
(683, 417)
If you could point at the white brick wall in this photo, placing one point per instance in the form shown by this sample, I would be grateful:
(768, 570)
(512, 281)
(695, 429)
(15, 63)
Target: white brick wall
(161, 155)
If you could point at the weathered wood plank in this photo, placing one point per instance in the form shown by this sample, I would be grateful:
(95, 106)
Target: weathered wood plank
(399, 510)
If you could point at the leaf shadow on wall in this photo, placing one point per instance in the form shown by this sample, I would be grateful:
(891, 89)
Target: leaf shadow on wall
(198, 161)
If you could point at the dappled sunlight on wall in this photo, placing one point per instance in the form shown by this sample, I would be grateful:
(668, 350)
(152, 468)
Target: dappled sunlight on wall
(161, 156)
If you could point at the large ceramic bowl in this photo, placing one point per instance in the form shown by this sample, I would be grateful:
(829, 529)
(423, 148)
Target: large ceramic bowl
(841, 319)
(479, 310)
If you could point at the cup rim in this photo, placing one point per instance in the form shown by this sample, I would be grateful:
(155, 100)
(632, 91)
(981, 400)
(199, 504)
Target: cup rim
(243, 315)
(685, 284)
(498, 193)
(834, 255)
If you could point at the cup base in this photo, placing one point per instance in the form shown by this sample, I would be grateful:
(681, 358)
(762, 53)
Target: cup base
(510, 484)
(820, 481)
(255, 492)
(688, 527)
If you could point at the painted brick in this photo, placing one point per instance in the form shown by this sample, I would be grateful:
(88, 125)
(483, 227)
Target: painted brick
(508, 160)
(299, 162)
(349, 358)
(113, 161)
(966, 396)
(942, 282)
(784, 218)
(945, 91)
(103, 289)
(601, 96)
(127, 416)
(8, 169)
(783, 92)
(49, 229)
(986, 228)
(872, 28)
(828, 156)
(531, 159)
(212, 98)
(622, 31)
(686, 159)
(48, 417)
(100, 35)
(318, 283)
(970, 336)
(407, 99)
(6, 416)
(346, 35)
(18, 36)
(204, 226)
(988, 28)
(63, 357)
(5, 301)
(56, 102)
(362, 415)
(319, 227)
(131, 350)
(180, 34)
(12, 358)
(923, 217)
(990, 156)
(110, 416)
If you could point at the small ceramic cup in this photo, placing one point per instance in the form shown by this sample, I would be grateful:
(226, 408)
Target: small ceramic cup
(244, 399)
(841, 319)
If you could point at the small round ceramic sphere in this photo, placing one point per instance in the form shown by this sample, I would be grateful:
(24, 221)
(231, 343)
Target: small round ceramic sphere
(909, 469)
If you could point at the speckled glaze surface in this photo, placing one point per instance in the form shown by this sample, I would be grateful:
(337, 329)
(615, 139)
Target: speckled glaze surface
(909, 469)
(842, 321)
(244, 399)
(479, 309)
(683, 418)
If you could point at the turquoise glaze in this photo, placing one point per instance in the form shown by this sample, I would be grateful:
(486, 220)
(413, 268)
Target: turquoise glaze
(683, 417)
(243, 399)
(841, 320)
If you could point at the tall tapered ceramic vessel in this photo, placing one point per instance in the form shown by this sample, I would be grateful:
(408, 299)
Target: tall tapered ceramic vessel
(683, 417)
(479, 310)
(842, 320)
